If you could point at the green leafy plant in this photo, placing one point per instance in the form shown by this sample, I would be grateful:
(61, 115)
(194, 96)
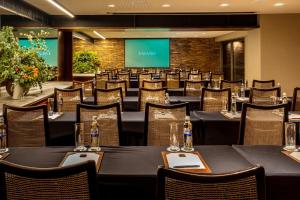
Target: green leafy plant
(85, 62)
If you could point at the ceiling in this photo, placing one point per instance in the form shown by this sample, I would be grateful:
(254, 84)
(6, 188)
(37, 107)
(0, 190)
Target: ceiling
(97, 7)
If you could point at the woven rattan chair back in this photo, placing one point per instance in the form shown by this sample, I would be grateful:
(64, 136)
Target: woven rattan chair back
(125, 76)
(158, 119)
(235, 86)
(215, 100)
(263, 125)
(109, 120)
(296, 99)
(264, 96)
(263, 84)
(217, 76)
(173, 80)
(156, 96)
(184, 75)
(101, 80)
(87, 87)
(69, 97)
(193, 88)
(109, 96)
(144, 77)
(26, 126)
(118, 84)
(195, 77)
(176, 185)
(70, 182)
(163, 75)
(153, 84)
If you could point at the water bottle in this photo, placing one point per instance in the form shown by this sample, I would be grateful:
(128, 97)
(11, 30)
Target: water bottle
(60, 103)
(83, 90)
(3, 139)
(95, 139)
(167, 99)
(187, 135)
(243, 91)
(233, 104)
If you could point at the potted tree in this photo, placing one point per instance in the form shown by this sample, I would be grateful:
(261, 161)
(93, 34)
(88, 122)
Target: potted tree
(85, 62)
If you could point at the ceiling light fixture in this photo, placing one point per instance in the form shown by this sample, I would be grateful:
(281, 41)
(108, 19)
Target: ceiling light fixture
(78, 36)
(15, 12)
(224, 4)
(166, 5)
(279, 4)
(98, 34)
(111, 5)
(60, 7)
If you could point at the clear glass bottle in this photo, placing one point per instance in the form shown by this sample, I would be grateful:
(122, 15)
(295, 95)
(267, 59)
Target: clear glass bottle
(243, 90)
(3, 138)
(83, 89)
(233, 104)
(187, 135)
(60, 103)
(95, 136)
(167, 99)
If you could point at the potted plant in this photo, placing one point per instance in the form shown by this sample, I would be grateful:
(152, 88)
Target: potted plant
(85, 62)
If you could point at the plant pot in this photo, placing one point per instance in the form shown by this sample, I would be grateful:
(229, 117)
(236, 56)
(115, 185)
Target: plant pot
(10, 86)
(18, 91)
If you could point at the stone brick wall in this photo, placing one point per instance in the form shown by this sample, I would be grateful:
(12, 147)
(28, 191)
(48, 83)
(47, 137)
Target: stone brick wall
(189, 52)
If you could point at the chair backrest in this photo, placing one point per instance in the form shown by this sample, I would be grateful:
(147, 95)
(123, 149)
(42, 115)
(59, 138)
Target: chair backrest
(109, 96)
(70, 182)
(101, 80)
(26, 126)
(184, 75)
(153, 84)
(263, 84)
(87, 87)
(235, 86)
(156, 96)
(195, 77)
(70, 98)
(263, 125)
(215, 100)
(163, 75)
(173, 80)
(296, 99)
(109, 120)
(264, 96)
(206, 75)
(217, 76)
(142, 77)
(176, 185)
(124, 76)
(193, 88)
(116, 84)
(157, 120)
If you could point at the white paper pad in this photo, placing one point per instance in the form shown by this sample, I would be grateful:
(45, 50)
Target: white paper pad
(243, 99)
(295, 155)
(294, 116)
(75, 158)
(231, 116)
(189, 159)
(54, 115)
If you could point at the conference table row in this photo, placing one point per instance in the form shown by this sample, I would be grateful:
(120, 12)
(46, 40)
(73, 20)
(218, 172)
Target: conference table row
(209, 128)
(130, 172)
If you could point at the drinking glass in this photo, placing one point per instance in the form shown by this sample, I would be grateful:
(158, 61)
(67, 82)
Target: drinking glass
(290, 136)
(3, 138)
(174, 142)
(50, 106)
(79, 137)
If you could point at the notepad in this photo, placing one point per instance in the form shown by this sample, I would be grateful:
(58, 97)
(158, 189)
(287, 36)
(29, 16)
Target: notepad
(295, 155)
(294, 116)
(231, 115)
(55, 115)
(184, 161)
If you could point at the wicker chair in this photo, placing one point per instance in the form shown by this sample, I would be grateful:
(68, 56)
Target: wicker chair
(296, 99)
(101, 80)
(263, 125)
(193, 88)
(87, 87)
(153, 84)
(184, 75)
(264, 96)
(235, 86)
(157, 120)
(70, 182)
(70, 98)
(163, 75)
(109, 120)
(124, 76)
(206, 75)
(215, 100)
(116, 84)
(109, 96)
(156, 96)
(143, 77)
(173, 80)
(217, 76)
(241, 185)
(195, 77)
(26, 126)
(263, 84)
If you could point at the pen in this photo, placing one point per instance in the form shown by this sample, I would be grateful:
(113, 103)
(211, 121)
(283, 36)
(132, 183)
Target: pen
(186, 166)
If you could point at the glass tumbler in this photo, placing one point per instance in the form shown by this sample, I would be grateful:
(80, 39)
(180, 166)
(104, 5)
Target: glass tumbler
(290, 136)
(174, 137)
(79, 137)
(50, 106)
(3, 138)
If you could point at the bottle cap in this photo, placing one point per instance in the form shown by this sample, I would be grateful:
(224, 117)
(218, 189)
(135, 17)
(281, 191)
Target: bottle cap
(187, 118)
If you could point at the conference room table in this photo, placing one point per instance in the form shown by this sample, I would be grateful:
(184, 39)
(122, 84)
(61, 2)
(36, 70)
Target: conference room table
(130, 172)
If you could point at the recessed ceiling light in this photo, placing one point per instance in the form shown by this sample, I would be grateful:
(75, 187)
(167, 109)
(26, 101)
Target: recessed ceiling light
(60, 7)
(111, 5)
(166, 5)
(279, 4)
(224, 4)
(98, 34)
